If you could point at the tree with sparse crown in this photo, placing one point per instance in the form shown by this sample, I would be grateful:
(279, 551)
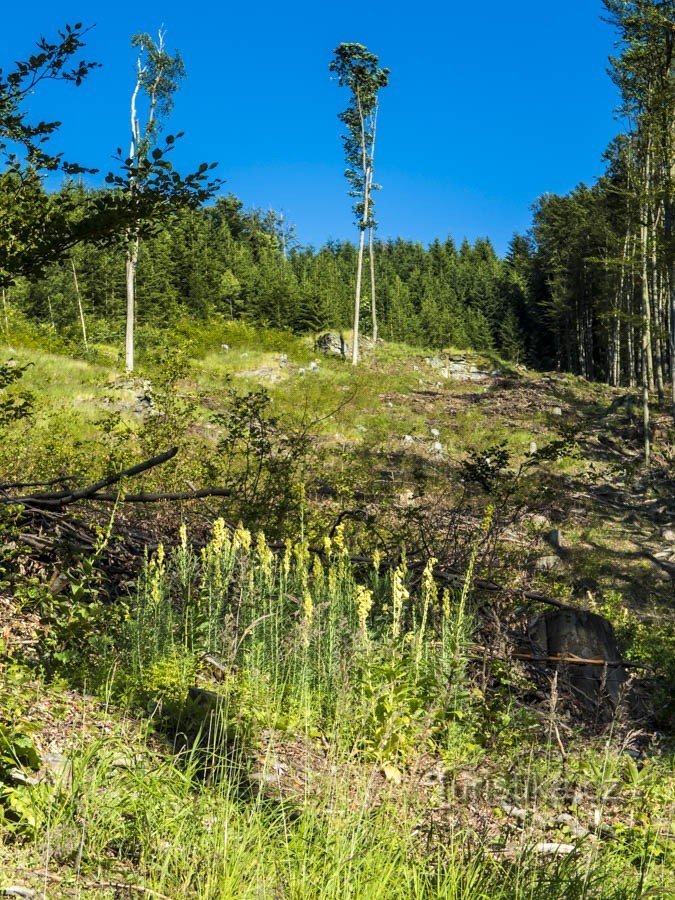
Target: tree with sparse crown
(357, 69)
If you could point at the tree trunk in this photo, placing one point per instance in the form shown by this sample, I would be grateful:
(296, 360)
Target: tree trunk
(357, 298)
(79, 306)
(132, 261)
(373, 304)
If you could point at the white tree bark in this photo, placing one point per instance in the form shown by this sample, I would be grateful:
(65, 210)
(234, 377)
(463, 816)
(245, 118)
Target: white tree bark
(79, 305)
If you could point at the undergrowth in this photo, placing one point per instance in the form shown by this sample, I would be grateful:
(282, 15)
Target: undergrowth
(238, 649)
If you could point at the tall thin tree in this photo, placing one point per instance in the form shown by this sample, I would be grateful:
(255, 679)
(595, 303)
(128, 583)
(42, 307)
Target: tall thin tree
(357, 69)
(158, 74)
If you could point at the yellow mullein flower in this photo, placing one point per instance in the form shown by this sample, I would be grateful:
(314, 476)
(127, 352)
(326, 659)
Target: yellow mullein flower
(301, 553)
(445, 603)
(377, 561)
(317, 571)
(339, 538)
(221, 536)
(286, 562)
(242, 538)
(265, 557)
(399, 594)
(157, 575)
(182, 532)
(429, 589)
(364, 604)
(308, 608)
(327, 546)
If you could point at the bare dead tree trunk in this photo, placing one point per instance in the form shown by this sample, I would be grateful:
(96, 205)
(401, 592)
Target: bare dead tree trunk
(131, 263)
(357, 298)
(51, 313)
(362, 236)
(647, 371)
(79, 305)
(373, 304)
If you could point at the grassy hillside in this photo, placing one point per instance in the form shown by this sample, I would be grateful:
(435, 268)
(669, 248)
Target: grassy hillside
(321, 684)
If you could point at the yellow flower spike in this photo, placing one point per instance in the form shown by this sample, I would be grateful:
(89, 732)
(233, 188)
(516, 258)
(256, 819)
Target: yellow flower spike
(399, 594)
(327, 546)
(445, 603)
(339, 538)
(265, 556)
(429, 589)
(182, 531)
(157, 575)
(377, 561)
(242, 538)
(308, 608)
(487, 519)
(286, 562)
(221, 536)
(317, 570)
(364, 604)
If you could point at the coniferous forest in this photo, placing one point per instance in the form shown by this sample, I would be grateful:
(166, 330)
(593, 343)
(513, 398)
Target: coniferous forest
(588, 289)
(335, 571)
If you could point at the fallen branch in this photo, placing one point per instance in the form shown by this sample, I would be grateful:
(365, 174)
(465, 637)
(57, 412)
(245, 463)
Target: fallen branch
(573, 660)
(58, 500)
(157, 498)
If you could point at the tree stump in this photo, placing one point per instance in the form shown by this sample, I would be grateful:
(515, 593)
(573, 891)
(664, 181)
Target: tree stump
(569, 633)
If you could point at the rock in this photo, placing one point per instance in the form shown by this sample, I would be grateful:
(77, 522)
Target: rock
(533, 448)
(314, 366)
(585, 635)
(550, 848)
(225, 347)
(554, 537)
(437, 447)
(301, 371)
(539, 521)
(361, 428)
(435, 432)
(434, 362)
(514, 811)
(17, 890)
(283, 359)
(57, 768)
(332, 343)
(408, 440)
(668, 534)
(556, 411)
(58, 583)
(575, 827)
(548, 564)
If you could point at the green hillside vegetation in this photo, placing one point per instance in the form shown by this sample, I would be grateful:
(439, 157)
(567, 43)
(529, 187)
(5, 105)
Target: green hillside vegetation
(337, 706)
(337, 571)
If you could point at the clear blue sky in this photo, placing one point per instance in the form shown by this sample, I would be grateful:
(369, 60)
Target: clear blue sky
(490, 103)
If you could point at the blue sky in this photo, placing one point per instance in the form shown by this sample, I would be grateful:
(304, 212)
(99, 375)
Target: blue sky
(490, 104)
